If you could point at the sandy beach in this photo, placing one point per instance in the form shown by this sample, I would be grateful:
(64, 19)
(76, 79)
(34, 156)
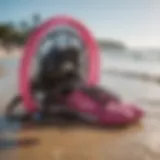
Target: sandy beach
(2, 71)
(14, 50)
(79, 141)
(117, 43)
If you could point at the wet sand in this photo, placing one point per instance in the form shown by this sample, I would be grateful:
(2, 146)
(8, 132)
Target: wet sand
(79, 141)
(84, 142)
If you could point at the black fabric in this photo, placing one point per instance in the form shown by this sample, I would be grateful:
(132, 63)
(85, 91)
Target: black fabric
(51, 74)
(100, 95)
(51, 80)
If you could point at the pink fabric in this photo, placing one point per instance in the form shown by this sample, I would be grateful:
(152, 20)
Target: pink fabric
(33, 44)
(112, 113)
(82, 102)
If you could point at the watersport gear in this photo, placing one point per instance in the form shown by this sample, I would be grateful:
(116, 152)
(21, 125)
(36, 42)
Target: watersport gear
(88, 101)
(95, 104)
(32, 45)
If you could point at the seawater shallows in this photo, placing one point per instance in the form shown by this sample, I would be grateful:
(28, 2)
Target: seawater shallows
(134, 89)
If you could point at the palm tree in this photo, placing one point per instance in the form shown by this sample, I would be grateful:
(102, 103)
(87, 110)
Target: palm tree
(24, 26)
(36, 19)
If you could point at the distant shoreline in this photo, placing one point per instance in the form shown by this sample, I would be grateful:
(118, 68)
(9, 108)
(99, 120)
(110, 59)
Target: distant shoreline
(134, 75)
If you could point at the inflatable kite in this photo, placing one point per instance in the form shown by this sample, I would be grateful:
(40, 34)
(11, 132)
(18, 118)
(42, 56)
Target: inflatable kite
(89, 100)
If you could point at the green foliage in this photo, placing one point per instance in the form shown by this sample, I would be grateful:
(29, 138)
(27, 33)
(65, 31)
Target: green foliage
(9, 34)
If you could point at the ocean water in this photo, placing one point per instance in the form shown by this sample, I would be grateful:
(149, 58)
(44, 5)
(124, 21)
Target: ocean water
(134, 89)
(133, 63)
(138, 89)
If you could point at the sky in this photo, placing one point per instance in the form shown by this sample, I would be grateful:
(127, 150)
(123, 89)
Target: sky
(135, 22)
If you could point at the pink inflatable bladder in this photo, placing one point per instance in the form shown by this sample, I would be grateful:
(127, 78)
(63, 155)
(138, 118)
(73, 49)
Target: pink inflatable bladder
(112, 112)
(33, 44)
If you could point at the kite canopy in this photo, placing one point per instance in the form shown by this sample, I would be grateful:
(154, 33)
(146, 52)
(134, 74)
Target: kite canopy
(33, 44)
